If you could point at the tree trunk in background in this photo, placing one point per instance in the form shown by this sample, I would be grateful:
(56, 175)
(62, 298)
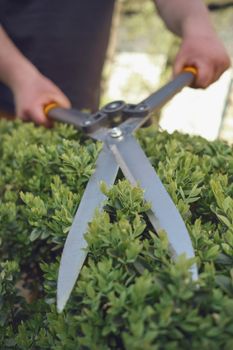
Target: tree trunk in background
(112, 45)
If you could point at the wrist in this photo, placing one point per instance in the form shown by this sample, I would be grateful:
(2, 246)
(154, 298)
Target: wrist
(21, 74)
(197, 26)
(15, 68)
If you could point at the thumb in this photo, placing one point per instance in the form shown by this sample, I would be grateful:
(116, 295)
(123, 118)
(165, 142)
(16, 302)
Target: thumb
(178, 66)
(61, 99)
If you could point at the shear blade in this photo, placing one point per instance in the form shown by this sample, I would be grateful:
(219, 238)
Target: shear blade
(163, 214)
(74, 252)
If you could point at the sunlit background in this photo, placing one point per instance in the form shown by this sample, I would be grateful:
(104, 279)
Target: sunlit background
(140, 57)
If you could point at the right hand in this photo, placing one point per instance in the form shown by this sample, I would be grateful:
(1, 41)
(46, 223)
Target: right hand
(207, 54)
(31, 96)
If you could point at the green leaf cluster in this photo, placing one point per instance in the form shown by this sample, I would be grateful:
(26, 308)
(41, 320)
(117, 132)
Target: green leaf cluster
(130, 294)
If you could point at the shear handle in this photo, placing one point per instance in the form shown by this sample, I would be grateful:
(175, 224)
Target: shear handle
(86, 122)
(92, 122)
(159, 98)
(70, 116)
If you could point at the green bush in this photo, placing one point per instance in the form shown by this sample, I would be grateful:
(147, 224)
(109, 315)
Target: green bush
(130, 295)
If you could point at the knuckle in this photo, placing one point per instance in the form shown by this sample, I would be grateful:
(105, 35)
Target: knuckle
(223, 62)
(203, 81)
(25, 111)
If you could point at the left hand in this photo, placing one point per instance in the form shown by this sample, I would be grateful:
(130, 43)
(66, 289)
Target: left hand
(207, 54)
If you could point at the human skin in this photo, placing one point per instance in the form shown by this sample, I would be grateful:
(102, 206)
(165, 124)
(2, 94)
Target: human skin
(200, 45)
(31, 90)
(189, 19)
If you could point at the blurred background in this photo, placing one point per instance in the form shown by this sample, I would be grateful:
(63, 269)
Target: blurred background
(139, 61)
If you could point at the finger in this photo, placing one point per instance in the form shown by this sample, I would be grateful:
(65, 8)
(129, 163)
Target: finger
(24, 117)
(22, 114)
(180, 64)
(221, 66)
(205, 75)
(204, 68)
(38, 116)
(60, 99)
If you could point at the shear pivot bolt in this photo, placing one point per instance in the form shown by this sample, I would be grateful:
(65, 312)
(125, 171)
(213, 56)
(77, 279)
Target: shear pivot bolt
(113, 105)
(87, 122)
(116, 132)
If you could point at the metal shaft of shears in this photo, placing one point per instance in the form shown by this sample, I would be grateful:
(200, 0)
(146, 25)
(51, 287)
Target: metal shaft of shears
(159, 98)
(153, 103)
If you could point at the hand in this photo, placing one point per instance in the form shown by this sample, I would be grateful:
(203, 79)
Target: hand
(207, 54)
(33, 93)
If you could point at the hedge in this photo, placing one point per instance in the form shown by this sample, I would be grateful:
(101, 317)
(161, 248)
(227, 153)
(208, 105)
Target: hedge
(130, 294)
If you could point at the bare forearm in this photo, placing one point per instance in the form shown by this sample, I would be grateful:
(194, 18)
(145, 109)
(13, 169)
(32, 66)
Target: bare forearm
(31, 89)
(14, 67)
(185, 18)
(200, 46)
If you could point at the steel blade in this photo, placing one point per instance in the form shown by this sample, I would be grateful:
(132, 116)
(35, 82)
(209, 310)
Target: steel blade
(74, 252)
(163, 214)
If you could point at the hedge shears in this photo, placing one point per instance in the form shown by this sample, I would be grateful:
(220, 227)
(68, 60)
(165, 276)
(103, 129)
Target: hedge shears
(114, 125)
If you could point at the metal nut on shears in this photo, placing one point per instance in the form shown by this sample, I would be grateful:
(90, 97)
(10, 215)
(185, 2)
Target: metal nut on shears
(116, 132)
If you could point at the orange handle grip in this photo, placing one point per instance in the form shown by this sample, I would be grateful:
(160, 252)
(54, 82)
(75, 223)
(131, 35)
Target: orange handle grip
(49, 106)
(191, 69)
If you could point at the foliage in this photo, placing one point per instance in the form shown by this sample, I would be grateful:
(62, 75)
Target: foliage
(130, 295)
